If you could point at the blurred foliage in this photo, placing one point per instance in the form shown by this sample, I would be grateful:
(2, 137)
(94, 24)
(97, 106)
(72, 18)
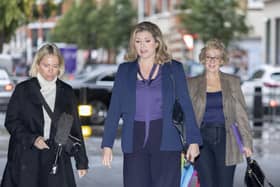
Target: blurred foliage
(220, 19)
(106, 25)
(14, 13)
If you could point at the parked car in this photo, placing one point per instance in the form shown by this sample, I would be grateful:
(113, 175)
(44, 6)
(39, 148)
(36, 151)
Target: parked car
(6, 62)
(193, 68)
(6, 89)
(93, 90)
(102, 76)
(267, 79)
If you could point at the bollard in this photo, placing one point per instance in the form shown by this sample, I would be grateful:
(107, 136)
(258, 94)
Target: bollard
(258, 108)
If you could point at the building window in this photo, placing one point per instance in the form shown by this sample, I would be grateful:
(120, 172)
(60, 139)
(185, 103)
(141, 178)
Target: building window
(158, 6)
(267, 43)
(255, 4)
(277, 41)
(34, 33)
(165, 5)
(59, 9)
(46, 34)
(147, 8)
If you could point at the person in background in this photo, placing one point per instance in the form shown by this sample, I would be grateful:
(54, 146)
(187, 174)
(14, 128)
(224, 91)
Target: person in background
(32, 150)
(218, 103)
(143, 96)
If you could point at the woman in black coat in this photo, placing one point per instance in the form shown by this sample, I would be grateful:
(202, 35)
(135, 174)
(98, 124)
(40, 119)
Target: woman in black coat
(32, 146)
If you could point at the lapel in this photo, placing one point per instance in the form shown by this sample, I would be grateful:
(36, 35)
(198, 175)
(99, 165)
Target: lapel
(227, 92)
(200, 92)
(59, 100)
(131, 78)
(33, 97)
(34, 88)
(167, 84)
(225, 86)
(199, 96)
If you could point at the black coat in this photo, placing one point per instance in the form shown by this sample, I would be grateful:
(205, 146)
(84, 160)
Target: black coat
(28, 166)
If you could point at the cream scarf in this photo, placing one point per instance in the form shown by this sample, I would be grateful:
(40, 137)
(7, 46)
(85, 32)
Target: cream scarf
(48, 90)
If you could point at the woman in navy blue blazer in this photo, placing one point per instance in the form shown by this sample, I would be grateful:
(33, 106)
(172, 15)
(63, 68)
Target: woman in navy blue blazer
(143, 96)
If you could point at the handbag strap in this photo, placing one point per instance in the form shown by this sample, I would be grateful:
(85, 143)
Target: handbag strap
(45, 105)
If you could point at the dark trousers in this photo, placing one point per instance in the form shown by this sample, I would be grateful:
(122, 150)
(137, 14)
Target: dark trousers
(148, 166)
(210, 165)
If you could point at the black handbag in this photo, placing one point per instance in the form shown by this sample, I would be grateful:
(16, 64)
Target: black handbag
(178, 116)
(254, 176)
(71, 144)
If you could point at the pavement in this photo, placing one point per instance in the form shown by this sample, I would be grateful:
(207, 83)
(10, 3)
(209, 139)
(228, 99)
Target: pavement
(266, 152)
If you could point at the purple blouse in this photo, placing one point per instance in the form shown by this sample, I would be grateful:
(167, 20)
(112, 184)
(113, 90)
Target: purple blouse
(148, 101)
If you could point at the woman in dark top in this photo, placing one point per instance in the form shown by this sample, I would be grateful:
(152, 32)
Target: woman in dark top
(32, 148)
(143, 97)
(218, 103)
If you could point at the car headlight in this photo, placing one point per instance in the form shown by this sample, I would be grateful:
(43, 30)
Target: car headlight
(9, 87)
(85, 110)
(273, 103)
(86, 131)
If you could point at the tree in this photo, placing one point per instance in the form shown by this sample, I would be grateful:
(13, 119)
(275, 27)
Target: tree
(14, 13)
(90, 25)
(222, 19)
(75, 25)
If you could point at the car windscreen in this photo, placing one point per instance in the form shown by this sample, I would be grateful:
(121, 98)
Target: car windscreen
(257, 75)
(110, 77)
(81, 76)
(275, 76)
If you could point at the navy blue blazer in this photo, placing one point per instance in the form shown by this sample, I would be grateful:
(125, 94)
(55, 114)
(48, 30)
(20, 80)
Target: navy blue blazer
(123, 105)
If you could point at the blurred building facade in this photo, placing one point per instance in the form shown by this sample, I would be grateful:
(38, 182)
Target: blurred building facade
(30, 36)
(164, 13)
(261, 46)
(248, 52)
(271, 42)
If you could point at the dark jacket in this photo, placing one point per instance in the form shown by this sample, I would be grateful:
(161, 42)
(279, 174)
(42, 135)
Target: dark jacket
(27, 165)
(123, 105)
(234, 108)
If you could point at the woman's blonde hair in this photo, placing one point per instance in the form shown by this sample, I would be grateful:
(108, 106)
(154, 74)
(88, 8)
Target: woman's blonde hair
(214, 44)
(162, 53)
(47, 49)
